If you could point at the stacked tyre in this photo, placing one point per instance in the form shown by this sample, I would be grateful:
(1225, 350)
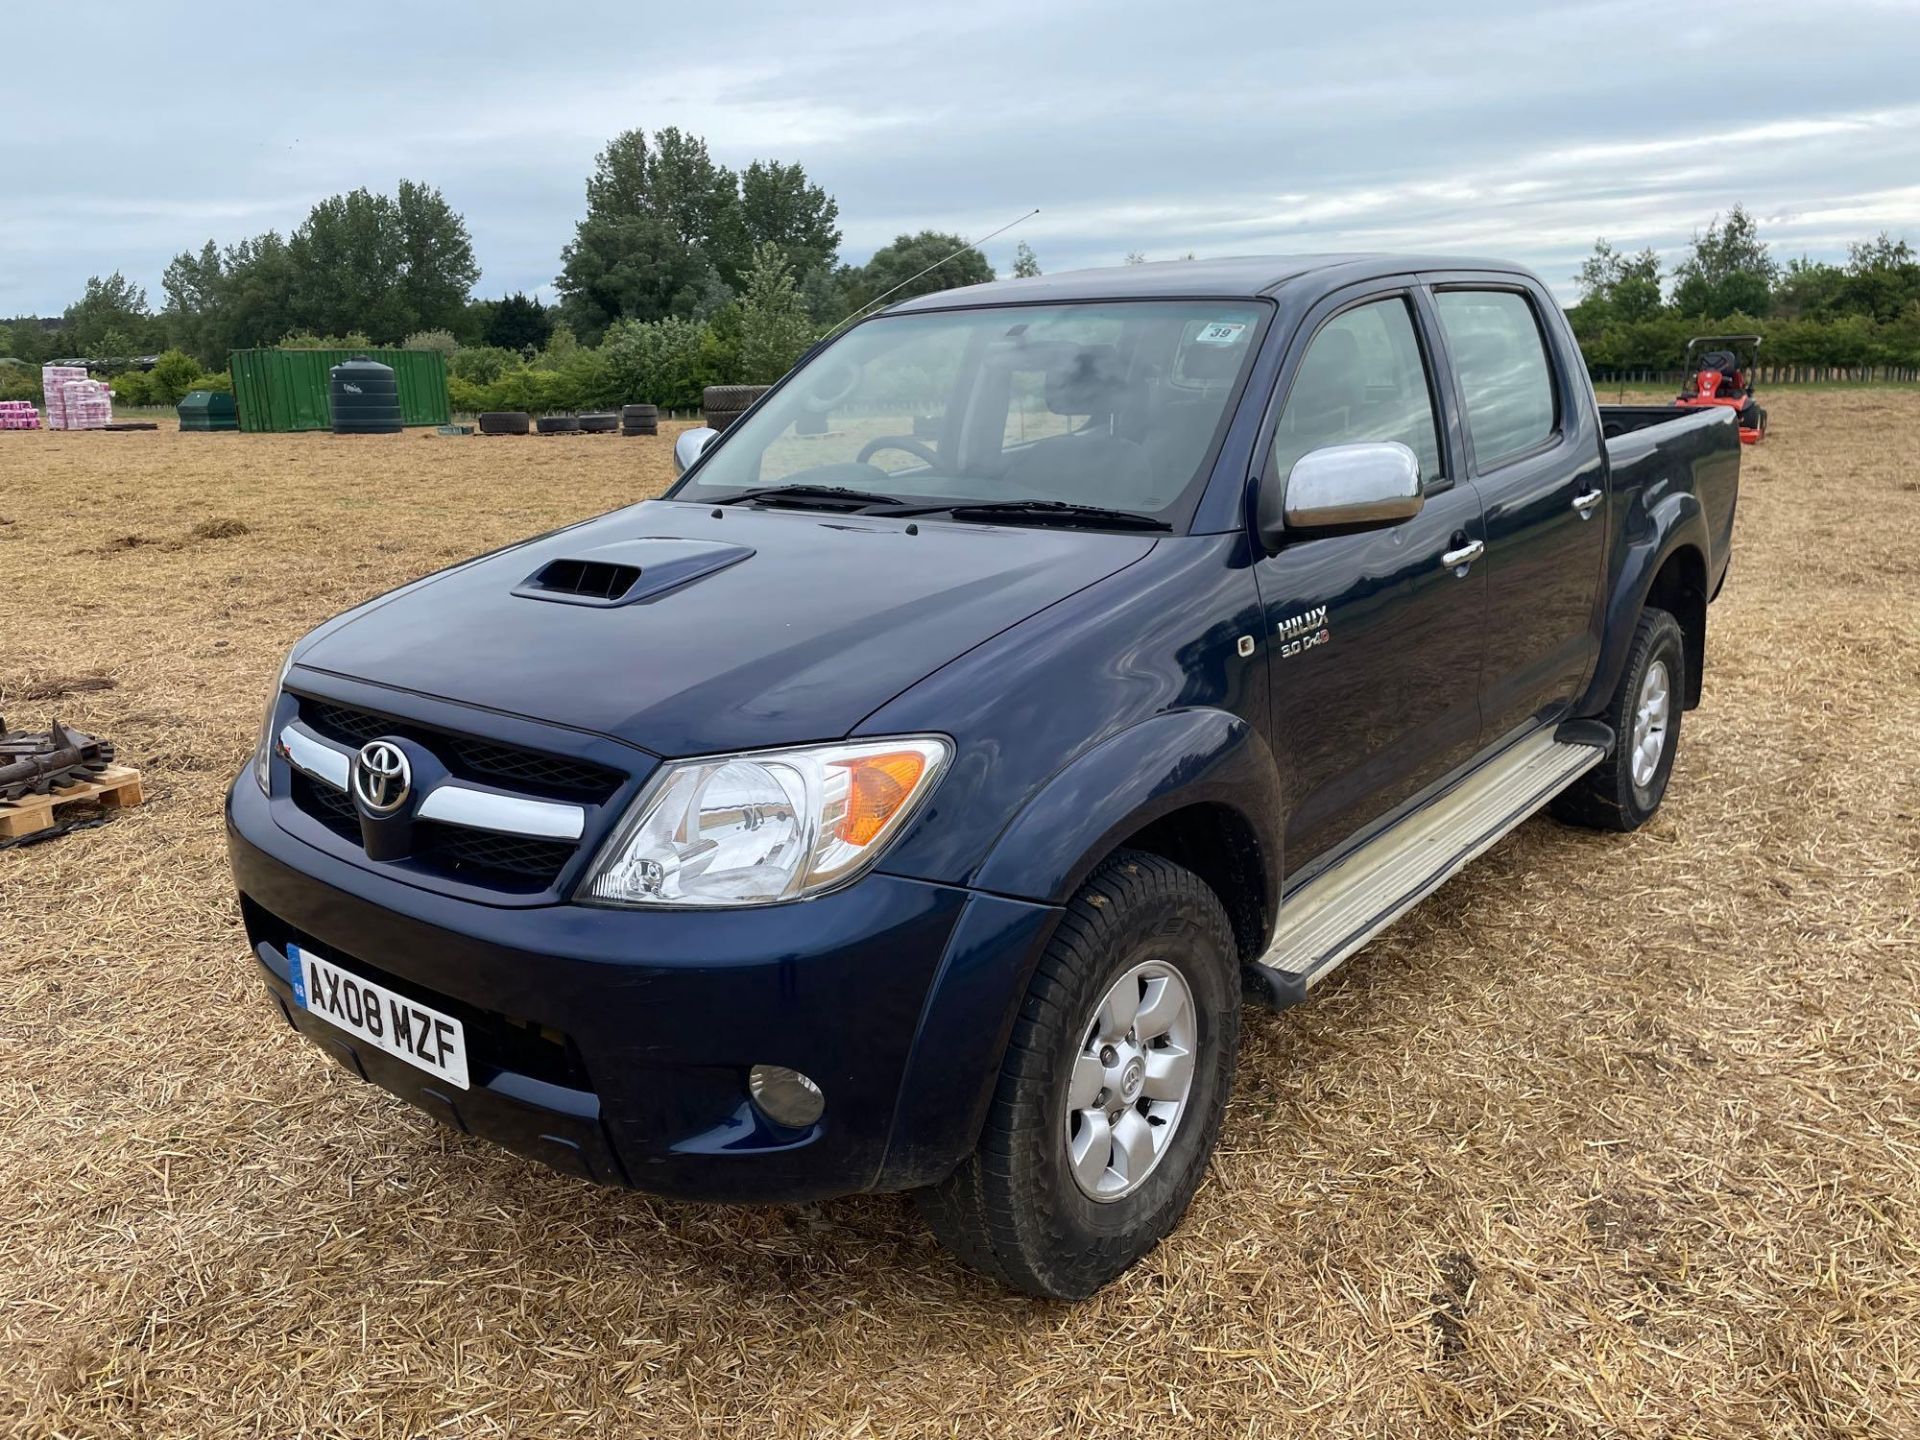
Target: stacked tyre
(723, 404)
(604, 424)
(558, 424)
(639, 419)
(505, 422)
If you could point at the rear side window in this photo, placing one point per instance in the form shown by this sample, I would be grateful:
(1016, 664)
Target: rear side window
(1362, 378)
(1505, 380)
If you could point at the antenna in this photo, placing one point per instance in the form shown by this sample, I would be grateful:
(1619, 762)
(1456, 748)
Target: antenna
(970, 245)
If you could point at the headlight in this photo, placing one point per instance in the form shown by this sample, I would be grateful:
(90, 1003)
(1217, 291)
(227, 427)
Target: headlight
(263, 743)
(771, 825)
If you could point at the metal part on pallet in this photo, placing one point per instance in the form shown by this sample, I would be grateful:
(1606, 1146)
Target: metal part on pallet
(34, 762)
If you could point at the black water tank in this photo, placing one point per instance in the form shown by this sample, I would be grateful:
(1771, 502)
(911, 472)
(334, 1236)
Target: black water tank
(365, 398)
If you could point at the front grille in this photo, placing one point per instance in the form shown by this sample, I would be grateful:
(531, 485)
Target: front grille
(514, 864)
(530, 767)
(482, 760)
(495, 1041)
(459, 851)
(332, 808)
(354, 726)
(478, 857)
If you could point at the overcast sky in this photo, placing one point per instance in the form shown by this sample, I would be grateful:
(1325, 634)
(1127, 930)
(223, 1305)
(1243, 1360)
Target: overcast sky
(1520, 130)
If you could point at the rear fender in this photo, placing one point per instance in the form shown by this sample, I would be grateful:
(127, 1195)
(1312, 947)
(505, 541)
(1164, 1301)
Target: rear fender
(1674, 521)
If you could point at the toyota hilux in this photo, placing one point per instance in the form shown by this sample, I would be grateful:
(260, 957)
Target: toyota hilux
(910, 798)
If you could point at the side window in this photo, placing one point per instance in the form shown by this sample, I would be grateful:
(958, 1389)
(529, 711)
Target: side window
(1362, 378)
(1505, 380)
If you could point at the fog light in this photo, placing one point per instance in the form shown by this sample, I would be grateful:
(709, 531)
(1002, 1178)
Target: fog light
(785, 1096)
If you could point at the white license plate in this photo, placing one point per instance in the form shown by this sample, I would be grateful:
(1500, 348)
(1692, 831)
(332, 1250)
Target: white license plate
(422, 1037)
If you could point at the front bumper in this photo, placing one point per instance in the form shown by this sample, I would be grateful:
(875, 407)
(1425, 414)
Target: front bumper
(615, 1044)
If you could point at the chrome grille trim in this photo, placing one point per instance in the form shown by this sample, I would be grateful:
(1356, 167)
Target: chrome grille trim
(450, 803)
(316, 759)
(457, 804)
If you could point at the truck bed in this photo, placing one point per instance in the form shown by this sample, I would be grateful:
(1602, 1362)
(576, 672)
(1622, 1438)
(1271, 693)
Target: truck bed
(1618, 420)
(1654, 451)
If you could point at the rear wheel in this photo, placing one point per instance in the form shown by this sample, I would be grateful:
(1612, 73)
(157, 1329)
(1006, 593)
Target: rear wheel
(1623, 791)
(1110, 1096)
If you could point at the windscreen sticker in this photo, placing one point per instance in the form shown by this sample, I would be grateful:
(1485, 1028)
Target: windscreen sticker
(1220, 332)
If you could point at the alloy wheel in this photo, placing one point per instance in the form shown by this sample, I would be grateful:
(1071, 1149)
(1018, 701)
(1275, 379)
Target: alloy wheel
(1131, 1079)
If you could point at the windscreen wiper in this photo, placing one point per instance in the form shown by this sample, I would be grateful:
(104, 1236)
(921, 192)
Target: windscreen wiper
(806, 494)
(1039, 512)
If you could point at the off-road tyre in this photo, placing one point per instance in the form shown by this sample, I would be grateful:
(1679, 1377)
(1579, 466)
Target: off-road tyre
(1606, 797)
(720, 419)
(505, 422)
(558, 424)
(599, 424)
(1013, 1209)
(631, 413)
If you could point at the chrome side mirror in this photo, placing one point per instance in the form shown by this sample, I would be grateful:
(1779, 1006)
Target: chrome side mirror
(689, 446)
(1338, 489)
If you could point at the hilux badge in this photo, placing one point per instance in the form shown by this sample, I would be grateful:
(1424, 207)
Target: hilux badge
(1302, 631)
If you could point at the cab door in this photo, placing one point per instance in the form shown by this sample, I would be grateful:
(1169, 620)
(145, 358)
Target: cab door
(1374, 638)
(1533, 453)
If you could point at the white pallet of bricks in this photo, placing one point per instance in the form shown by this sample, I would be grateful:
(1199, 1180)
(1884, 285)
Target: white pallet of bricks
(89, 404)
(73, 401)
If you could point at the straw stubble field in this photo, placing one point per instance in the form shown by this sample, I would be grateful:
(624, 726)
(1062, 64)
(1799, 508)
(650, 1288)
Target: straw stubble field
(1614, 1136)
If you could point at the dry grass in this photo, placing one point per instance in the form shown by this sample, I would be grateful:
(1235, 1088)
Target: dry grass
(1614, 1137)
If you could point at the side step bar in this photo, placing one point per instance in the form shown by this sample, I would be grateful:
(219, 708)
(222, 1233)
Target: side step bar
(1334, 915)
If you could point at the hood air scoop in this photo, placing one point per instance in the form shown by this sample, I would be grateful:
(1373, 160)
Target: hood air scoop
(629, 572)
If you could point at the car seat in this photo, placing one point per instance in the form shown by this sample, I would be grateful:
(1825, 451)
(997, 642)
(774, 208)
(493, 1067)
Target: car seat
(1090, 466)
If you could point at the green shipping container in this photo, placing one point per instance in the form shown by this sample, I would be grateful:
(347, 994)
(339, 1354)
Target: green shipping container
(287, 389)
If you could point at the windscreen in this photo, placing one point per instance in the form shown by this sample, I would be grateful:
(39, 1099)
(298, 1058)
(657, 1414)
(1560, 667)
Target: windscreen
(1116, 405)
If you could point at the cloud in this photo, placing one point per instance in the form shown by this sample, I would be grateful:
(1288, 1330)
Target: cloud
(1241, 126)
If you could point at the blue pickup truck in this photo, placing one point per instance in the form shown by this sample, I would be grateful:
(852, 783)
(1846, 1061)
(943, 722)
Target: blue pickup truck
(912, 796)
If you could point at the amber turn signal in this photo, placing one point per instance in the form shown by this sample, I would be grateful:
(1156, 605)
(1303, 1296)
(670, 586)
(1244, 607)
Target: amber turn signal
(881, 785)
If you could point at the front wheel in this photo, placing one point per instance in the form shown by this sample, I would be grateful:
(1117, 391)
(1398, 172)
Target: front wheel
(1623, 791)
(1112, 1090)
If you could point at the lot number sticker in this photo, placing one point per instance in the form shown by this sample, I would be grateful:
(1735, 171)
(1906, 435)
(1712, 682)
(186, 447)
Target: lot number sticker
(1220, 332)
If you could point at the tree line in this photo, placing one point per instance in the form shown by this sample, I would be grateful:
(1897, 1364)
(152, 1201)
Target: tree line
(1633, 316)
(681, 273)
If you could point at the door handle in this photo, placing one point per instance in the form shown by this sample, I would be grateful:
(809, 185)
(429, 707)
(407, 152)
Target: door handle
(1463, 557)
(1587, 503)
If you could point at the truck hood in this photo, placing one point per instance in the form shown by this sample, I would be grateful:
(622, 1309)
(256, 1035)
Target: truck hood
(685, 634)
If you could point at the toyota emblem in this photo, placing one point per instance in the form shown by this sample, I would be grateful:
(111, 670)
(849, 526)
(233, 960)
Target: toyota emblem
(382, 779)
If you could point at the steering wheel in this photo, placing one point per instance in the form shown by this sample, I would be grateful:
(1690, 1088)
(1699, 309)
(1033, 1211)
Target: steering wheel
(897, 442)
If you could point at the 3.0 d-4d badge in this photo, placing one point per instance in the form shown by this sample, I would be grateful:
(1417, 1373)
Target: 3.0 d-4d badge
(1302, 631)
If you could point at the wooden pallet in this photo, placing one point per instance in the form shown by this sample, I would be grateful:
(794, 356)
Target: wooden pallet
(117, 787)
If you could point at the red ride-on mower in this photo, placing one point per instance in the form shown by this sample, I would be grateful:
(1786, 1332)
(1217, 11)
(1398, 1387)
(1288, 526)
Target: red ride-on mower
(1720, 373)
